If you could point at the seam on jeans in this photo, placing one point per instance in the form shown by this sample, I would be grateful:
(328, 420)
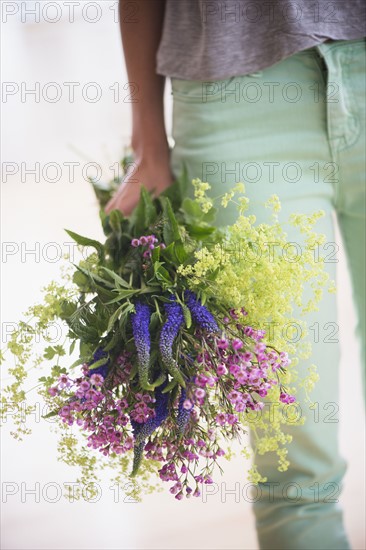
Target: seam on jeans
(323, 66)
(351, 104)
(333, 153)
(352, 108)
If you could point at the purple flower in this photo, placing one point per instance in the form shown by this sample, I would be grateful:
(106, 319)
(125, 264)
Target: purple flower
(169, 331)
(200, 313)
(141, 334)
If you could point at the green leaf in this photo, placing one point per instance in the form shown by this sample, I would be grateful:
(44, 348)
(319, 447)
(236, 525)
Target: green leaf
(171, 231)
(50, 414)
(200, 231)
(98, 363)
(155, 256)
(116, 220)
(161, 273)
(85, 241)
(168, 253)
(180, 252)
(114, 317)
(57, 370)
(51, 351)
(116, 338)
(86, 351)
(72, 347)
(117, 279)
(144, 213)
(82, 281)
(79, 361)
(210, 216)
(187, 315)
(202, 297)
(122, 295)
(170, 386)
(150, 210)
(178, 190)
(94, 277)
(68, 308)
(161, 298)
(103, 293)
(192, 209)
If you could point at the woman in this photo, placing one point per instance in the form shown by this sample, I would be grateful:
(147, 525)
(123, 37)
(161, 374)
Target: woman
(271, 94)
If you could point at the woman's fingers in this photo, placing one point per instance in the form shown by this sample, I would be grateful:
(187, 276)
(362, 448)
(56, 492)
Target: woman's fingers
(155, 178)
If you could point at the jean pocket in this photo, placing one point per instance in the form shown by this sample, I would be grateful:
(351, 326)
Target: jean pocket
(196, 91)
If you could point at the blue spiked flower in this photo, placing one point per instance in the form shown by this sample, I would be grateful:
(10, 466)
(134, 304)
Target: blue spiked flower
(140, 328)
(183, 413)
(200, 313)
(169, 331)
(142, 431)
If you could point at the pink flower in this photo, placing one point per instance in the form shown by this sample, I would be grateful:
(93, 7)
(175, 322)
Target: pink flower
(259, 347)
(123, 404)
(53, 391)
(84, 386)
(64, 381)
(97, 379)
(234, 396)
(201, 380)
(234, 369)
(200, 393)
(236, 344)
(221, 369)
(232, 418)
(286, 398)
(233, 313)
(221, 418)
(222, 343)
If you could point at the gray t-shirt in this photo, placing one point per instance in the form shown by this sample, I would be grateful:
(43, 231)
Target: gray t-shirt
(216, 39)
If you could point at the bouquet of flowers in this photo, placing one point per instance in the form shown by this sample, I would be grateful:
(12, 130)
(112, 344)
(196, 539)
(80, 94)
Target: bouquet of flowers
(168, 325)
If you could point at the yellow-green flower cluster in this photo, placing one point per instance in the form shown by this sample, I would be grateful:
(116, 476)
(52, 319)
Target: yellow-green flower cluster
(200, 189)
(258, 269)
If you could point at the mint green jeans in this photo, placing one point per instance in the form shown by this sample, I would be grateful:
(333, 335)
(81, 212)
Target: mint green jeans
(296, 129)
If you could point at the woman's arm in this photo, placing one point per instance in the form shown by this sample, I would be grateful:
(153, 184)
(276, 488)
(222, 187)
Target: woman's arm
(140, 41)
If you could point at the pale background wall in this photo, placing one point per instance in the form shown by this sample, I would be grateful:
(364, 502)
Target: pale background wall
(34, 212)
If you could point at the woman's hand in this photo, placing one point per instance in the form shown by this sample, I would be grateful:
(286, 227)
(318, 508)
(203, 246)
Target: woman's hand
(153, 174)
